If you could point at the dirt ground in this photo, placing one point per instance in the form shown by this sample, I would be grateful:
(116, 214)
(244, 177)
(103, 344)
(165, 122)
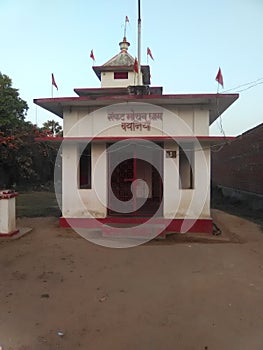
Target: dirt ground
(173, 294)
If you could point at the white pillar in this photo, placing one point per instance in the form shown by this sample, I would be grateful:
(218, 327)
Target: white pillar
(8, 212)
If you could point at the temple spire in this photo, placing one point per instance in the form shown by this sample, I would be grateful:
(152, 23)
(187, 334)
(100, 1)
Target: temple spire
(124, 45)
(125, 25)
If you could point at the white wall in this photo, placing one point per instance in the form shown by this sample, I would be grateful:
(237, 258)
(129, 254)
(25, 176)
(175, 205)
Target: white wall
(178, 203)
(175, 122)
(84, 202)
(107, 80)
(201, 122)
(170, 182)
(196, 118)
(190, 203)
(7, 215)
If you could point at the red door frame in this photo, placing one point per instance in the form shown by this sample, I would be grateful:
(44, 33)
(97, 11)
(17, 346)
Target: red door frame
(134, 213)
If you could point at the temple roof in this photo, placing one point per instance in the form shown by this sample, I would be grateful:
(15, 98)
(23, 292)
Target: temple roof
(123, 58)
(123, 61)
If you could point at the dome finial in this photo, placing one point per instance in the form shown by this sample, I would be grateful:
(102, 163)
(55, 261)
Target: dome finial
(124, 44)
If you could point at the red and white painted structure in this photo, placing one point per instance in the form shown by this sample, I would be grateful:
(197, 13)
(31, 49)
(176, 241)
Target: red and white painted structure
(122, 110)
(8, 213)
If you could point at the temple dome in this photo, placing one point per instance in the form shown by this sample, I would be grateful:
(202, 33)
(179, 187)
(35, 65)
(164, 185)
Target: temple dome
(123, 58)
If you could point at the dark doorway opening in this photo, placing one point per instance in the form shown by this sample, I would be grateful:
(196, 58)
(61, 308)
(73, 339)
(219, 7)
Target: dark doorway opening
(135, 172)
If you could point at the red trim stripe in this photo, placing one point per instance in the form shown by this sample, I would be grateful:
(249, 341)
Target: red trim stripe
(197, 226)
(10, 234)
(119, 138)
(138, 97)
(8, 195)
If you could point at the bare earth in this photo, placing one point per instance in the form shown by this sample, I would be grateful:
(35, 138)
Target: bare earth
(173, 294)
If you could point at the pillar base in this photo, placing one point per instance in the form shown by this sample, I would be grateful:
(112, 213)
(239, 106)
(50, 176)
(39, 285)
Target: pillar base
(9, 234)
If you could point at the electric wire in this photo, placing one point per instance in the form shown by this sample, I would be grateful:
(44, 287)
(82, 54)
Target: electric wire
(255, 82)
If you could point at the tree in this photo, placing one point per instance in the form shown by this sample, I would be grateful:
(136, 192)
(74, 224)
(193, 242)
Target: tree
(23, 160)
(12, 108)
(52, 128)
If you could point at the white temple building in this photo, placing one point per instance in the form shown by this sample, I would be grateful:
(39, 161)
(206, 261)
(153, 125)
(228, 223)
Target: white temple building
(131, 153)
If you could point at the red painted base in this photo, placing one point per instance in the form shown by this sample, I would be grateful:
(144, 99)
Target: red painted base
(175, 225)
(130, 231)
(9, 234)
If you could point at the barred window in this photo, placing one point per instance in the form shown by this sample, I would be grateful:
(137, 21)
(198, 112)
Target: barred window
(85, 167)
(186, 166)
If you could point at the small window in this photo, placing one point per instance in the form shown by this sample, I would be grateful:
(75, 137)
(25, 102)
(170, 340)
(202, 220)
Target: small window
(120, 75)
(85, 167)
(186, 167)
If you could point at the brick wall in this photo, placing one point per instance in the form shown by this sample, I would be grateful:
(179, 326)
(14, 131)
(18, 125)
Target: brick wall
(239, 164)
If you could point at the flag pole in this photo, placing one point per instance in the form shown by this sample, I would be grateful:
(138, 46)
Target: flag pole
(139, 42)
(219, 79)
(125, 27)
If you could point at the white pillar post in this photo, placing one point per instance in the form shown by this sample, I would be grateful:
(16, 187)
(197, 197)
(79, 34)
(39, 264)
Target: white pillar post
(8, 213)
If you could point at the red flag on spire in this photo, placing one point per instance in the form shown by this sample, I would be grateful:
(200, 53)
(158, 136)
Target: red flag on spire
(92, 55)
(54, 81)
(149, 53)
(136, 66)
(127, 19)
(219, 77)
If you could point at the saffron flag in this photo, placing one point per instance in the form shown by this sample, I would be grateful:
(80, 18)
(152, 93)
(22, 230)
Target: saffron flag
(127, 19)
(92, 55)
(54, 81)
(136, 66)
(149, 53)
(219, 77)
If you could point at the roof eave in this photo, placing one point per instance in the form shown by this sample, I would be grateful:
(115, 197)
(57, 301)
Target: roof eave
(216, 104)
(219, 104)
(51, 105)
(204, 141)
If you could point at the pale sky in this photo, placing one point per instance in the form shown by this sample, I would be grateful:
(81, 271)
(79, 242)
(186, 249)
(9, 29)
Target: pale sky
(189, 40)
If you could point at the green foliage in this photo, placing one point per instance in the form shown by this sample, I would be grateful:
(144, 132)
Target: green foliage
(23, 160)
(12, 108)
(53, 128)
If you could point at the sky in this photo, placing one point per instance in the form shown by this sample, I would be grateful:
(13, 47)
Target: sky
(189, 40)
